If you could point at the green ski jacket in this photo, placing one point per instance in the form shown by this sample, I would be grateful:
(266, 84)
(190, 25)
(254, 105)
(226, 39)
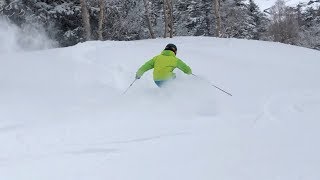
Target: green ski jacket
(163, 65)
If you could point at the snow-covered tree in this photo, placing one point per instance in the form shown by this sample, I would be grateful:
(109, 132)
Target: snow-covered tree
(194, 18)
(259, 23)
(284, 24)
(63, 21)
(147, 17)
(236, 21)
(310, 25)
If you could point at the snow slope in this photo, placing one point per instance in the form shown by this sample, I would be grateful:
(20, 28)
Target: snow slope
(63, 115)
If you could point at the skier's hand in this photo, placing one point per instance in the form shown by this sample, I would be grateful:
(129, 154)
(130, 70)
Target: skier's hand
(137, 76)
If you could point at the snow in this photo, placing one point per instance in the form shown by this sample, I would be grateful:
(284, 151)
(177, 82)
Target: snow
(63, 8)
(265, 4)
(314, 5)
(2, 3)
(63, 115)
(26, 37)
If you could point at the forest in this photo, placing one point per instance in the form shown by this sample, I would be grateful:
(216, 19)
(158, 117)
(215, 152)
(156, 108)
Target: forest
(69, 22)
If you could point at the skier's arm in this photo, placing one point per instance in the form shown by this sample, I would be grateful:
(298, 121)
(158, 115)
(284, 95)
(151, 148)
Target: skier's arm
(147, 66)
(183, 67)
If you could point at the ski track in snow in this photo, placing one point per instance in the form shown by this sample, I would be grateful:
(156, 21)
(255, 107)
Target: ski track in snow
(292, 104)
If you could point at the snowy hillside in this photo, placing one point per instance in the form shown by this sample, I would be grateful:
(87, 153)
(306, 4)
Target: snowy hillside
(63, 115)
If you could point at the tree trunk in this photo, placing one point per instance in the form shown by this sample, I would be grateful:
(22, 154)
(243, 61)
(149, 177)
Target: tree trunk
(101, 19)
(85, 19)
(170, 7)
(216, 5)
(165, 18)
(207, 20)
(148, 18)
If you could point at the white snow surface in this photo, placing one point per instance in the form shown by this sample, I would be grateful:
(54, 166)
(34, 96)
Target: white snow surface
(63, 115)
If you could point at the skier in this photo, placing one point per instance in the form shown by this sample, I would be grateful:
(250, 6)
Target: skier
(163, 66)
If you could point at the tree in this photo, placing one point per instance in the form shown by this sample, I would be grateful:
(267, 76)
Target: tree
(260, 21)
(147, 16)
(284, 25)
(309, 35)
(216, 7)
(85, 19)
(171, 17)
(194, 18)
(125, 20)
(168, 18)
(236, 21)
(101, 19)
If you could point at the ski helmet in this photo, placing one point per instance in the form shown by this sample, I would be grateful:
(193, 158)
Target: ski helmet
(171, 47)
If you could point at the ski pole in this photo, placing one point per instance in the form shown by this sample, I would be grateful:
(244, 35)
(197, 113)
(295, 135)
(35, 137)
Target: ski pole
(212, 84)
(129, 87)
